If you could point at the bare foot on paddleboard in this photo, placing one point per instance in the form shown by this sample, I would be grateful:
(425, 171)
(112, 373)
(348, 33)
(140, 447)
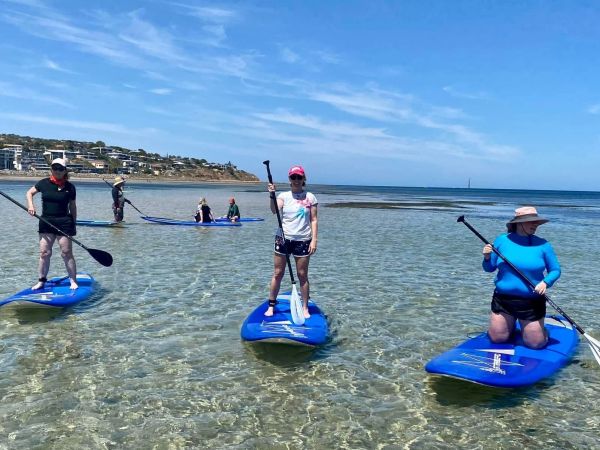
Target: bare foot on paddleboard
(269, 311)
(306, 313)
(37, 286)
(74, 285)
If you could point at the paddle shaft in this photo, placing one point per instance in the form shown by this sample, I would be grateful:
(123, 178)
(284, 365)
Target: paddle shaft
(43, 220)
(101, 256)
(274, 200)
(129, 201)
(521, 274)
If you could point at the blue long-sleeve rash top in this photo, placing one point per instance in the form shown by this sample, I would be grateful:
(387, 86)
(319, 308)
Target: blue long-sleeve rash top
(532, 255)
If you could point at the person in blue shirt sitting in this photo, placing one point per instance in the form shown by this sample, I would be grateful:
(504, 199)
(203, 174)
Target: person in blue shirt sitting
(513, 299)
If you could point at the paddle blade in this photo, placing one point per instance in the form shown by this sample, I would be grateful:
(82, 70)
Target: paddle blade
(296, 307)
(101, 256)
(594, 346)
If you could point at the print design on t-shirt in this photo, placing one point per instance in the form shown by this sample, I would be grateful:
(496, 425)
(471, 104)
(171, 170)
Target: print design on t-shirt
(305, 210)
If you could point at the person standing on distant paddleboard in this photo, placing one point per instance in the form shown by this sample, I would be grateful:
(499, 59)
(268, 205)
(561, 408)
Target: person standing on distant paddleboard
(299, 219)
(58, 208)
(513, 299)
(119, 199)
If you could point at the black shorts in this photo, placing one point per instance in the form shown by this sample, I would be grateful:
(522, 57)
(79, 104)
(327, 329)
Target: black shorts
(522, 308)
(296, 248)
(65, 223)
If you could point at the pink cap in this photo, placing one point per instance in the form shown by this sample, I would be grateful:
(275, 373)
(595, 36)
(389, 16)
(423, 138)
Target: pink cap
(296, 170)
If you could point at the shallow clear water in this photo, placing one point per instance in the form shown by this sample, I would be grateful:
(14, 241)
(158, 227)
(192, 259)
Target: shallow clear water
(155, 360)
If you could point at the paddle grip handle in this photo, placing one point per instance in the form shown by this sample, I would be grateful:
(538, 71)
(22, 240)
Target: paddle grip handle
(521, 274)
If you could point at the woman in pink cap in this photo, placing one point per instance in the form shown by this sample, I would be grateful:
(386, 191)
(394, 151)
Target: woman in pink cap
(513, 299)
(300, 227)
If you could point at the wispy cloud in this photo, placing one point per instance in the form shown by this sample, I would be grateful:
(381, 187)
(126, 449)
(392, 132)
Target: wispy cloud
(9, 90)
(594, 109)
(322, 127)
(289, 56)
(150, 40)
(214, 21)
(99, 127)
(129, 40)
(161, 91)
(456, 92)
(49, 64)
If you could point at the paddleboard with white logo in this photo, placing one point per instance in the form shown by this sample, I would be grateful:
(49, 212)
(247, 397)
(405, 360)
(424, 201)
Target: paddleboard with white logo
(279, 328)
(56, 293)
(511, 364)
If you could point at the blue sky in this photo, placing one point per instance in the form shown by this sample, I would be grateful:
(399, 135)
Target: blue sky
(406, 93)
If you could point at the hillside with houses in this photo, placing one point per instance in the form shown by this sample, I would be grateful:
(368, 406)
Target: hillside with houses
(26, 155)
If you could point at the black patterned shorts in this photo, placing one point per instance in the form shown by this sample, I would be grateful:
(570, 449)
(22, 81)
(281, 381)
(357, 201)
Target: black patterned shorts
(296, 248)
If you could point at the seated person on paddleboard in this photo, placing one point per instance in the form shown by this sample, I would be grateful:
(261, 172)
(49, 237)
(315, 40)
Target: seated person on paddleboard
(299, 219)
(119, 199)
(513, 299)
(58, 208)
(233, 213)
(203, 212)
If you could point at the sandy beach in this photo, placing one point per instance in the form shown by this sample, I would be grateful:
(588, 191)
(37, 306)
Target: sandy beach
(93, 178)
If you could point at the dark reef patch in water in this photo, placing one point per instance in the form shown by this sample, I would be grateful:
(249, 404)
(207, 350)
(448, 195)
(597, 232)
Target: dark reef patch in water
(430, 205)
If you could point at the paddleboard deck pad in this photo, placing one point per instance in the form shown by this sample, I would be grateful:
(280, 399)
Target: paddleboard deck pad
(97, 223)
(511, 364)
(189, 223)
(279, 328)
(56, 293)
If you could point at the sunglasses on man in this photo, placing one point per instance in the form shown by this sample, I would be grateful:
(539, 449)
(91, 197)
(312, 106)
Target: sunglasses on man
(296, 177)
(58, 168)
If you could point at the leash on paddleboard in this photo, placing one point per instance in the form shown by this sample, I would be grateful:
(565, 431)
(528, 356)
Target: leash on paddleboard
(593, 343)
(101, 256)
(295, 303)
(128, 201)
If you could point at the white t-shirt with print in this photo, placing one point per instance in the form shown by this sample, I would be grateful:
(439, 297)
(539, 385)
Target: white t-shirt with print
(296, 215)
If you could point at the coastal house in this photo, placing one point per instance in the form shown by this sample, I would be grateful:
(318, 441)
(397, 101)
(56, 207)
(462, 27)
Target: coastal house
(7, 156)
(103, 150)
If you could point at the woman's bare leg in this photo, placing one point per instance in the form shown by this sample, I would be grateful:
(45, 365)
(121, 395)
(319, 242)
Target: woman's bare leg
(302, 272)
(46, 243)
(501, 327)
(279, 262)
(66, 249)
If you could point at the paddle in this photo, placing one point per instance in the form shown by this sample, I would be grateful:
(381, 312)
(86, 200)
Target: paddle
(128, 201)
(295, 302)
(101, 256)
(593, 343)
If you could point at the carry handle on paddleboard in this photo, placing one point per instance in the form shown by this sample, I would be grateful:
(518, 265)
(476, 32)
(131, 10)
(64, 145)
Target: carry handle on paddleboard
(101, 256)
(521, 274)
(274, 199)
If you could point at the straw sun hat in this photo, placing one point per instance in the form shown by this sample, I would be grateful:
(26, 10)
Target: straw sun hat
(527, 214)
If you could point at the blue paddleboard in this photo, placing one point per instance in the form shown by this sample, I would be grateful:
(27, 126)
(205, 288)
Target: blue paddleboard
(56, 293)
(189, 223)
(511, 364)
(279, 328)
(97, 223)
(243, 219)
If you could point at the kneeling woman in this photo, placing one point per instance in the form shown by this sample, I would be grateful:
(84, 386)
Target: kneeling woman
(58, 208)
(299, 220)
(513, 299)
